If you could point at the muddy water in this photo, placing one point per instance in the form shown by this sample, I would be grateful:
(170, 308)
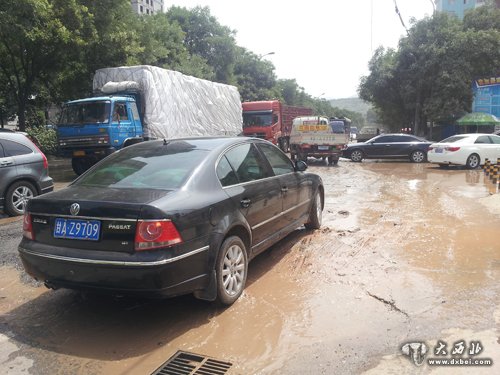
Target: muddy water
(406, 252)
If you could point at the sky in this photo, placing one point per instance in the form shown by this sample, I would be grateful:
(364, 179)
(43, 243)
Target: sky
(324, 44)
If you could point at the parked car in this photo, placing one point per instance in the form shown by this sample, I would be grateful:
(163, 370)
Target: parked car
(164, 218)
(470, 150)
(389, 146)
(24, 172)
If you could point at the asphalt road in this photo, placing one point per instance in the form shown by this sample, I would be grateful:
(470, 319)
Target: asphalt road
(407, 254)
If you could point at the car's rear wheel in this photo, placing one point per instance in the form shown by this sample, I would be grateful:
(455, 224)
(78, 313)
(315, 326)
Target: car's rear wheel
(357, 155)
(316, 213)
(473, 161)
(417, 156)
(17, 197)
(231, 270)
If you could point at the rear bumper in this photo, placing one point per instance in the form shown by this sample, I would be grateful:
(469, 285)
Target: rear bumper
(46, 185)
(152, 278)
(445, 158)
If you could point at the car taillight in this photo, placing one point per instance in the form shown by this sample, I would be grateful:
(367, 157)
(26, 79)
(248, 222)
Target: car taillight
(28, 227)
(45, 161)
(152, 234)
(452, 148)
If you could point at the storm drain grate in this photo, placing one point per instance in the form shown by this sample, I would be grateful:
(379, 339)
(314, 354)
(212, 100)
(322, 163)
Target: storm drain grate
(184, 363)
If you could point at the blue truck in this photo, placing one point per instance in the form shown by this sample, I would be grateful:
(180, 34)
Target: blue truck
(138, 103)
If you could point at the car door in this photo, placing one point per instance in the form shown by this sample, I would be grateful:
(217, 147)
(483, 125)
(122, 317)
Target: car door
(7, 169)
(381, 146)
(246, 178)
(486, 148)
(293, 185)
(495, 140)
(122, 123)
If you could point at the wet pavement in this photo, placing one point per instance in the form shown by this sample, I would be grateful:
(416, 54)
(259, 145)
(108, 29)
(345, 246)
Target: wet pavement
(407, 253)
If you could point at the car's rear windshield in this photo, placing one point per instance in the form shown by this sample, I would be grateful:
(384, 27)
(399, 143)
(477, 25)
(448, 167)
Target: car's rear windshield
(166, 167)
(454, 138)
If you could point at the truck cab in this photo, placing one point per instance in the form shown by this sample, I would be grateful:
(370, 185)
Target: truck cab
(92, 128)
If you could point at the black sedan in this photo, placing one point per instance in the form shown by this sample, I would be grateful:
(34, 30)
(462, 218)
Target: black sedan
(164, 218)
(389, 146)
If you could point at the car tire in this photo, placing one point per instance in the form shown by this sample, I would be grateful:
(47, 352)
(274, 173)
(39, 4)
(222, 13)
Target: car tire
(316, 213)
(417, 156)
(231, 270)
(17, 197)
(473, 161)
(356, 155)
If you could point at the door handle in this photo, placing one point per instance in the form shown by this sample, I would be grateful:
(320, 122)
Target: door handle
(284, 189)
(245, 203)
(6, 162)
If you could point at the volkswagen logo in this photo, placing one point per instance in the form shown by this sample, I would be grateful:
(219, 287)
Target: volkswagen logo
(74, 209)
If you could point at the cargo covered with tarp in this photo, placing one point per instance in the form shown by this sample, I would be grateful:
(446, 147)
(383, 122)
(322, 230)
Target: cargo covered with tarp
(173, 104)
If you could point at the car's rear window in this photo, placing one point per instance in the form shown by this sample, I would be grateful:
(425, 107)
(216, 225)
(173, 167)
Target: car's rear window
(165, 167)
(454, 138)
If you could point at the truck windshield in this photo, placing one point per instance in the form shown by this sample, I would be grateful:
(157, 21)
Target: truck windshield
(85, 113)
(257, 119)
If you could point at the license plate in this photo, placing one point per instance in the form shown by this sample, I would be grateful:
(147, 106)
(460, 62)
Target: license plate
(439, 150)
(77, 229)
(78, 153)
(323, 148)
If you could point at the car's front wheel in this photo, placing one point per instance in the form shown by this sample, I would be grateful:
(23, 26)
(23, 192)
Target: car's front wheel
(231, 270)
(316, 213)
(473, 161)
(17, 197)
(356, 155)
(417, 156)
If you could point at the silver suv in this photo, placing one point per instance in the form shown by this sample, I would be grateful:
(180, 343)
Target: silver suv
(24, 172)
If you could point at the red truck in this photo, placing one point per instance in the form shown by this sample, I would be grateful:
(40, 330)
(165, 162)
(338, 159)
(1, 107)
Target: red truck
(271, 120)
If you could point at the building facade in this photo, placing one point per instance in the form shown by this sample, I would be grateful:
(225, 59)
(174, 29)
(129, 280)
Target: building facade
(457, 7)
(147, 7)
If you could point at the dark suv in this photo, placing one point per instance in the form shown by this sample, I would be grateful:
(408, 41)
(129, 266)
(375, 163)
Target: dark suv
(24, 172)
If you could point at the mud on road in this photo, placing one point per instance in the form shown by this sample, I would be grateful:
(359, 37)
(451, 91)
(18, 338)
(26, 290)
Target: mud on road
(407, 252)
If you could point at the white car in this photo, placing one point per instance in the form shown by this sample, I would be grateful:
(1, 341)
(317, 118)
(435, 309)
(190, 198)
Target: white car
(470, 150)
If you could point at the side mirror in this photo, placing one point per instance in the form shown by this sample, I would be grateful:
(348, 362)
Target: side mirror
(300, 166)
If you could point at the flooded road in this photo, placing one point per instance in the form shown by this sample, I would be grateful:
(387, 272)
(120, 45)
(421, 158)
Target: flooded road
(407, 253)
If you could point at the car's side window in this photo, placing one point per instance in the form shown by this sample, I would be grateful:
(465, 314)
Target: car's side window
(14, 148)
(383, 140)
(279, 161)
(495, 139)
(247, 163)
(483, 139)
(406, 138)
(225, 173)
(2, 154)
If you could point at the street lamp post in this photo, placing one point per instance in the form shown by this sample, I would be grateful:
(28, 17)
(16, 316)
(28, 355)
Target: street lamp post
(265, 54)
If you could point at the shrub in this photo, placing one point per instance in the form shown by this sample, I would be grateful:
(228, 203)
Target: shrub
(46, 138)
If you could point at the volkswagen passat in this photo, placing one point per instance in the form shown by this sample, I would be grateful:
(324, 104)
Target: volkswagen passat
(164, 218)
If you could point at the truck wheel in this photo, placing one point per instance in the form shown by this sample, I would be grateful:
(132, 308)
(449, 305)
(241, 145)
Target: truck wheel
(80, 165)
(231, 270)
(332, 160)
(17, 197)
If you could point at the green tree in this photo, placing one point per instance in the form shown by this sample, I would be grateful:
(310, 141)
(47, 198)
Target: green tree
(255, 78)
(207, 38)
(35, 36)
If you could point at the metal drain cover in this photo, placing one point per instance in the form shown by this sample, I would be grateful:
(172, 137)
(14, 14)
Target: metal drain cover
(184, 363)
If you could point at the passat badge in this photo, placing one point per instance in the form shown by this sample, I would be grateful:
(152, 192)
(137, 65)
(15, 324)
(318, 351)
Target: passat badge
(74, 209)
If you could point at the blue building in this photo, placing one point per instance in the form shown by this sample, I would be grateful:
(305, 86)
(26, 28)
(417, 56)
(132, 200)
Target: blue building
(487, 96)
(457, 7)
